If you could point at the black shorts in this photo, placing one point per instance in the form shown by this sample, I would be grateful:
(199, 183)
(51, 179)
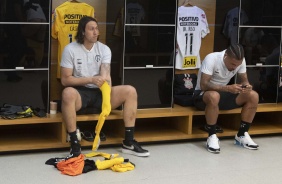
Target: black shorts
(227, 100)
(90, 97)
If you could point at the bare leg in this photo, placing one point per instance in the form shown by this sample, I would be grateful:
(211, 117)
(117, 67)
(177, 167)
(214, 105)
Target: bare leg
(250, 103)
(127, 96)
(71, 102)
(211, 99)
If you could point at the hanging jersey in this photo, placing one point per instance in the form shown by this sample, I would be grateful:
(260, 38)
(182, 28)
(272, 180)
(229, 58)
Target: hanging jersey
(119, 25)
(230, 27)
(33, 10)
(65, 20)
(192, 26)
(134, 14)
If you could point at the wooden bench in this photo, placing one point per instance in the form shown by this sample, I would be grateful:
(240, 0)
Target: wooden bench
(152, 125)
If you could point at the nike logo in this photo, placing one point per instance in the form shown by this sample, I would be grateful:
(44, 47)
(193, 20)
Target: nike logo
(129, 147)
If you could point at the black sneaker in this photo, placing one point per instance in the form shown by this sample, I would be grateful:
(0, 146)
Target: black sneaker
(134, 148)
(75, 150)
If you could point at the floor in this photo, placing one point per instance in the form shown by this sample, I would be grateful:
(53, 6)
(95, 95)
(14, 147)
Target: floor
(169, 163)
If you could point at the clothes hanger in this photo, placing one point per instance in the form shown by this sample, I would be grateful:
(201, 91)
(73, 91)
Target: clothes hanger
(187, 3)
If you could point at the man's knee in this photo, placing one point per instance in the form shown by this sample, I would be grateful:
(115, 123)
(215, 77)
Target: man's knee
(254, 97)
(130, 90)
(69, 94)
(211, 97)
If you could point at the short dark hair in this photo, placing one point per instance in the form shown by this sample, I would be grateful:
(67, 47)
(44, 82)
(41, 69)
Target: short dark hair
(236, 51)
(81, 28)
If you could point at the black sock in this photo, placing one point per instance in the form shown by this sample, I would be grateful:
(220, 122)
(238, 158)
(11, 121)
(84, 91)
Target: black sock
(212, 129)
(244, 127)
(73, 137)
(129, 134)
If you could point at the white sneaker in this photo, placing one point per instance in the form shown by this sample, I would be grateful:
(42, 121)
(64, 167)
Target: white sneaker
(213, 144)
(246, 141)
(78, 134)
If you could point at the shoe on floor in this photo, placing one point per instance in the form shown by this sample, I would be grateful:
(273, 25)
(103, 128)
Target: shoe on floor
(134, 148)
(75, 150)
(213, 144)
(245, 141)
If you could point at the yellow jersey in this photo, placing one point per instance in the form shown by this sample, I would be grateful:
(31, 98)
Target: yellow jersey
(65, 20)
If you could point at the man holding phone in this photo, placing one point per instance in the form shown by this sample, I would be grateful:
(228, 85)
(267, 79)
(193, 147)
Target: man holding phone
(213, 93)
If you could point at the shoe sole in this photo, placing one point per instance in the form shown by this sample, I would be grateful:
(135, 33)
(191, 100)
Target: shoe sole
(242, 145)
(134, 153)
(213, 151)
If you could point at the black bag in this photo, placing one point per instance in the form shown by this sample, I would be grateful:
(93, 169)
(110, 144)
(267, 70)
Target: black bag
(184, 100)
(15, 111)
(184, 84)
(8, 111)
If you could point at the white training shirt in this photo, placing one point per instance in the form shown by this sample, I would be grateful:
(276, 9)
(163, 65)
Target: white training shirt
(85, 63)
(213, 65)
(192, 26)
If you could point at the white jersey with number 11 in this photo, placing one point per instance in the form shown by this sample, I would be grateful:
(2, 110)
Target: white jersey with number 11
(192, 26)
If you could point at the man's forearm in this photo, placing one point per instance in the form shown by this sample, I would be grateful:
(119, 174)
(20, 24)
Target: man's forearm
(209, 86)
(74, 81)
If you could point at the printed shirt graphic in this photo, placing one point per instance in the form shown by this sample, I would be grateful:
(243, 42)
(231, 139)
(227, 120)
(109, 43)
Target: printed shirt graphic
(65, 20)
(134, 14)
(192, 26)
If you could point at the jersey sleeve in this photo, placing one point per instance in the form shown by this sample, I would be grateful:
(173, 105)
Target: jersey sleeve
(208, 65)
(67, 58)
(205, 26)
(54, 28)
(243, 68)
(107, 55)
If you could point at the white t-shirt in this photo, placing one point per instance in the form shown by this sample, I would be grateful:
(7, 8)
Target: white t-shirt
(213, 65)
(192, 26)
(85, 63)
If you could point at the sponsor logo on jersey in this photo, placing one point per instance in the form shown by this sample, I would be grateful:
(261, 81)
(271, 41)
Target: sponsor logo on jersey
(189, 24)
(189, 21)
(195, 19)
(73, 18)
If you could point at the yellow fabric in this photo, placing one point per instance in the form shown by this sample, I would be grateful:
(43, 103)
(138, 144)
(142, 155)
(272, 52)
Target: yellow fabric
(114, 163)
(106, 109)
(123, 167)
(105, 155)
(65, 20)
(105, 164)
